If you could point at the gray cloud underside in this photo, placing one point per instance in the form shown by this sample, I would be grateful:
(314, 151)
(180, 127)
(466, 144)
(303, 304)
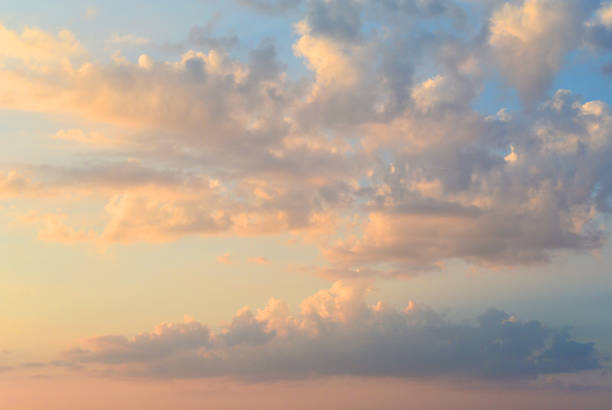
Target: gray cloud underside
(338, 334)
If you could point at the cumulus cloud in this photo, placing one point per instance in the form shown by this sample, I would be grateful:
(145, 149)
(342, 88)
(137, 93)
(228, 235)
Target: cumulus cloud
(338, 333)
(530, 39)
(446, 199)
(377, 155)
(37, 48)
(439, 91)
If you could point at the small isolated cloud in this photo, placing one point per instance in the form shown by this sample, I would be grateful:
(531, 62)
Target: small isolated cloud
(259, 260)
(337, 333)
(224, 259)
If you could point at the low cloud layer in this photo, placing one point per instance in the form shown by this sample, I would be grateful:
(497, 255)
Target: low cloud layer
(337, 333)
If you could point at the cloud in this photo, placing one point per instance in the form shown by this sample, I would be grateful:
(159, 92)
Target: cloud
(530, 38)
(376, 156)
(54, 229)
(336, 20)
(38, 49)
(146, 204)
(164, 341)
(337, 333)
(143, 218)
(439, 91)
(202, 87)
(443, 201)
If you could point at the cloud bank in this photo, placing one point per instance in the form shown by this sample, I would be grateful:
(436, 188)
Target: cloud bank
(377, 155)
(337, 333)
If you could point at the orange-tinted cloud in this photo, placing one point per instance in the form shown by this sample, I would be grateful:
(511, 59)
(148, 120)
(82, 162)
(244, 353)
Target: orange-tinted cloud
(378, 157)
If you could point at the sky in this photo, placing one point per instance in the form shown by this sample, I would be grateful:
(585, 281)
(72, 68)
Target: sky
(305, 204)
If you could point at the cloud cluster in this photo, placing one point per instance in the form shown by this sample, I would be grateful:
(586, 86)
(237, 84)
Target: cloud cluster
(337, 333)
(506, 193)
(377, 156)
